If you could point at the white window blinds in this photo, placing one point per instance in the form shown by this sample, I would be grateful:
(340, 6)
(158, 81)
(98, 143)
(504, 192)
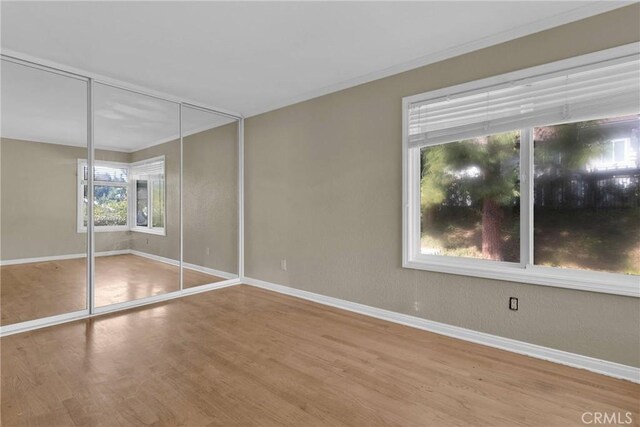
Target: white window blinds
(109, 173)
(105, 173)
(150, 168)
(605, 89)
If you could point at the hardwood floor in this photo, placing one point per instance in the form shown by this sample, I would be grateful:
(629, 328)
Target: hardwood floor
(30, 291)
(245, 356)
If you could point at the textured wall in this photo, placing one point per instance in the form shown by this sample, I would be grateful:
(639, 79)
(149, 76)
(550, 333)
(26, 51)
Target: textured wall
(211, 198)
(39, 198)
(323, 190)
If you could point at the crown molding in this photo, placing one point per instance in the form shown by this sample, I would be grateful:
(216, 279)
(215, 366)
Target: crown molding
(36, 62)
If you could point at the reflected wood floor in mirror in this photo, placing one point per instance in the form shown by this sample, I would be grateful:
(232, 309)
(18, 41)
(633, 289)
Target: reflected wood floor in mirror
(246, 356)
(40, 289)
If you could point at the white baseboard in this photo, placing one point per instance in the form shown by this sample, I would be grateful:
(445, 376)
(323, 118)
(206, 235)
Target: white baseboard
(211, 286)
(60, 257)
(599, 366)
(111, 253)
(155, 257)
(207, 270)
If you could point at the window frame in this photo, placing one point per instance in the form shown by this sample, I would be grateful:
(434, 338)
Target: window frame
(525, 271)
(80, 201)
(130, 185)
(133, 207)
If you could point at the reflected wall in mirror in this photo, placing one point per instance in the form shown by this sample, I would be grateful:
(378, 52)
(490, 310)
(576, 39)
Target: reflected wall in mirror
(210, 197)
(43, 268)
(137, 195)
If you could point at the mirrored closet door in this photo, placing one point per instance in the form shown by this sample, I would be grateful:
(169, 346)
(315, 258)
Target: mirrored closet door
(136, 196)
(155, 216)
(210, 197)
(43, 270)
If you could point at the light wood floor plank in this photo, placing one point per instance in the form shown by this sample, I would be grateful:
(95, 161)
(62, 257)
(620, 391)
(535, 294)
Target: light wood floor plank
(42, 289)
(246, 356)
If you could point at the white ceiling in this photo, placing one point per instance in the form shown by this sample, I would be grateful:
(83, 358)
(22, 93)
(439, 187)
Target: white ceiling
(47, 107)
(248, 57)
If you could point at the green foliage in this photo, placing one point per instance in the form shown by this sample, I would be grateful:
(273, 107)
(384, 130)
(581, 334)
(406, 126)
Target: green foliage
(158, 204)
(474, 169)
(568, 147)
(109, 206)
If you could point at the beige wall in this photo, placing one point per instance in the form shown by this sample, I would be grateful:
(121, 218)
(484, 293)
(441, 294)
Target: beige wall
(323, 190)
(211, 198)
(38, 187)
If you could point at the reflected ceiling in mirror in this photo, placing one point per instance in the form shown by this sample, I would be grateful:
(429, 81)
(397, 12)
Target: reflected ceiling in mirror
(42, 106)
(46, 107)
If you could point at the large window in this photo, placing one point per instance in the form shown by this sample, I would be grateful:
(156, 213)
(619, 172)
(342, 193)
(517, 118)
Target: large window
(127, 196)
(532, 176)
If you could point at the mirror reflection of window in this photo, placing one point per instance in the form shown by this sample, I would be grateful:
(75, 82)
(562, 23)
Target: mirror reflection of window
(149, 176)
(142, 133)
(142, 203)
(110, 196)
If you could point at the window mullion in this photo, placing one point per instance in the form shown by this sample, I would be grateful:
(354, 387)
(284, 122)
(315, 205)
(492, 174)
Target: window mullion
(526, 197)
(149, 203)
(414, 200)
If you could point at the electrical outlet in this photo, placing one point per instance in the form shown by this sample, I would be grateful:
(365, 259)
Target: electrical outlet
(208, 251)
(513, 304)
(416, 306)
(283, 264)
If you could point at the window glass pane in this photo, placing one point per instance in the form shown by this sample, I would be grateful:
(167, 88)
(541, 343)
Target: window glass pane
(470, 199)
(158, 203)
(110, 206)
(587, 195)
(142, 204)
(84, 204)
(109, 173)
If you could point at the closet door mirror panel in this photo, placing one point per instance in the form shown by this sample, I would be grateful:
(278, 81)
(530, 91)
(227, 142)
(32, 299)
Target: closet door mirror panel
(210, 197)
(137, 196)
(43, 270)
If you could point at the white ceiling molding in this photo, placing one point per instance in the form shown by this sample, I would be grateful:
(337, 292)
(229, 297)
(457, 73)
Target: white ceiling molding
(108, 81)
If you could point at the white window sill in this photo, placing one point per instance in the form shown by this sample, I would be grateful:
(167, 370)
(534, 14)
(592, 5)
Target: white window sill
(156, 231)
(592, 281)
(105, 229)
